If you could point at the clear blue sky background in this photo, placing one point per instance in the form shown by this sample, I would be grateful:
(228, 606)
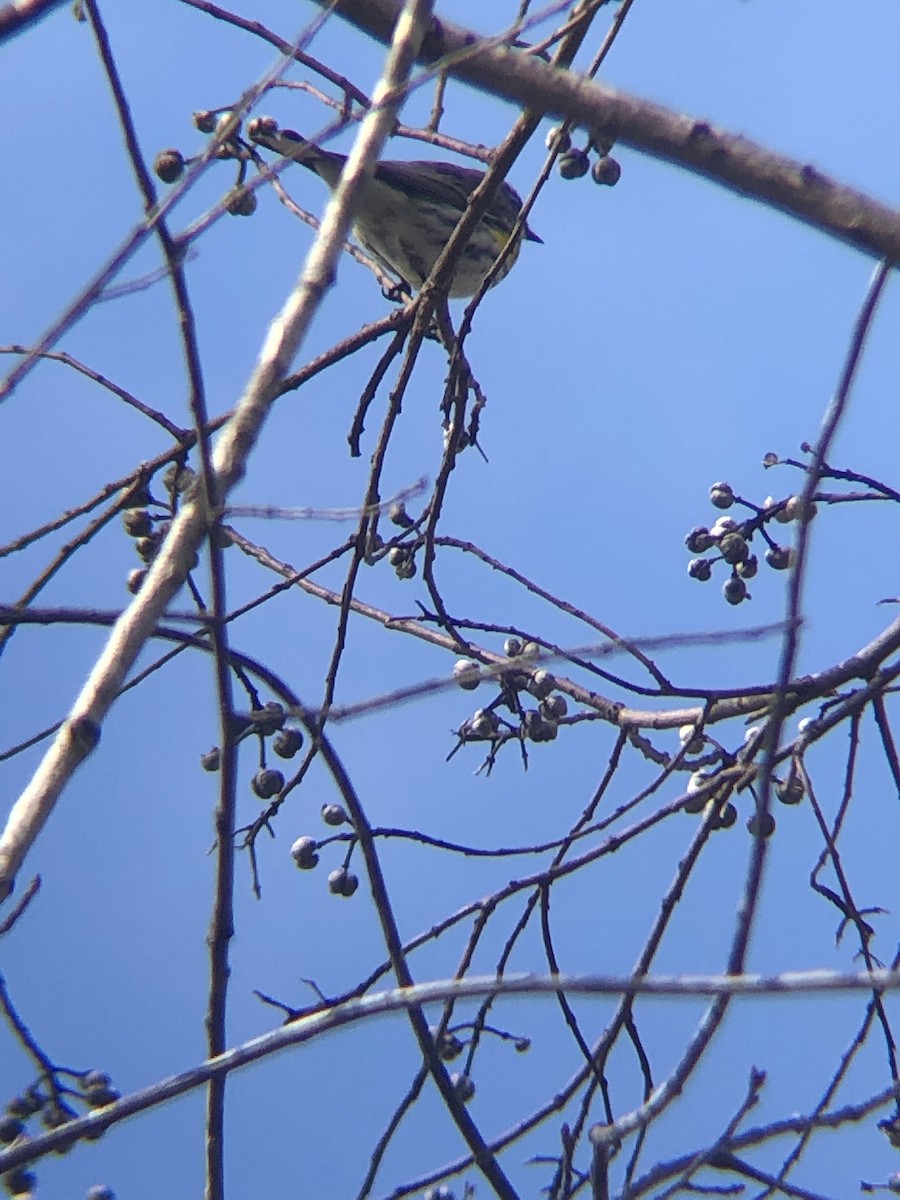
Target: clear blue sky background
(666, 335)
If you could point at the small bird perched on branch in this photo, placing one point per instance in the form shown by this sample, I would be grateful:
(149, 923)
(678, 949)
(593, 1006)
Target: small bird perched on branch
(408, 211)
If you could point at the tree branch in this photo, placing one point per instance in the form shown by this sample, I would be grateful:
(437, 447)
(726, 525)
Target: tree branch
(735, 162)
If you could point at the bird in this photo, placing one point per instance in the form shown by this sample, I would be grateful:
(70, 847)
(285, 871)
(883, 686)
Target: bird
(407, 211)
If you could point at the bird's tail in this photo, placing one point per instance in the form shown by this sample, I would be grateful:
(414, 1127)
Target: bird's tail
(264, 131)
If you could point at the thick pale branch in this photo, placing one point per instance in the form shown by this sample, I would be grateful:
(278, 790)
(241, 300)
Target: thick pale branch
(81, 730)
(306, 1028)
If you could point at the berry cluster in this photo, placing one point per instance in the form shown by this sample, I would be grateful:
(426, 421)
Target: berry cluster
(575, 162)
(305, 853)
(169, 165)
(519, 680)
(730, 539)
(147, 521)
(268, 721)
(55, 1103)
(710, 793)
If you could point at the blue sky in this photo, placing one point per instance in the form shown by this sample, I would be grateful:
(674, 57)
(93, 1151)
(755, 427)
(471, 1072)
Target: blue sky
(666, 335)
